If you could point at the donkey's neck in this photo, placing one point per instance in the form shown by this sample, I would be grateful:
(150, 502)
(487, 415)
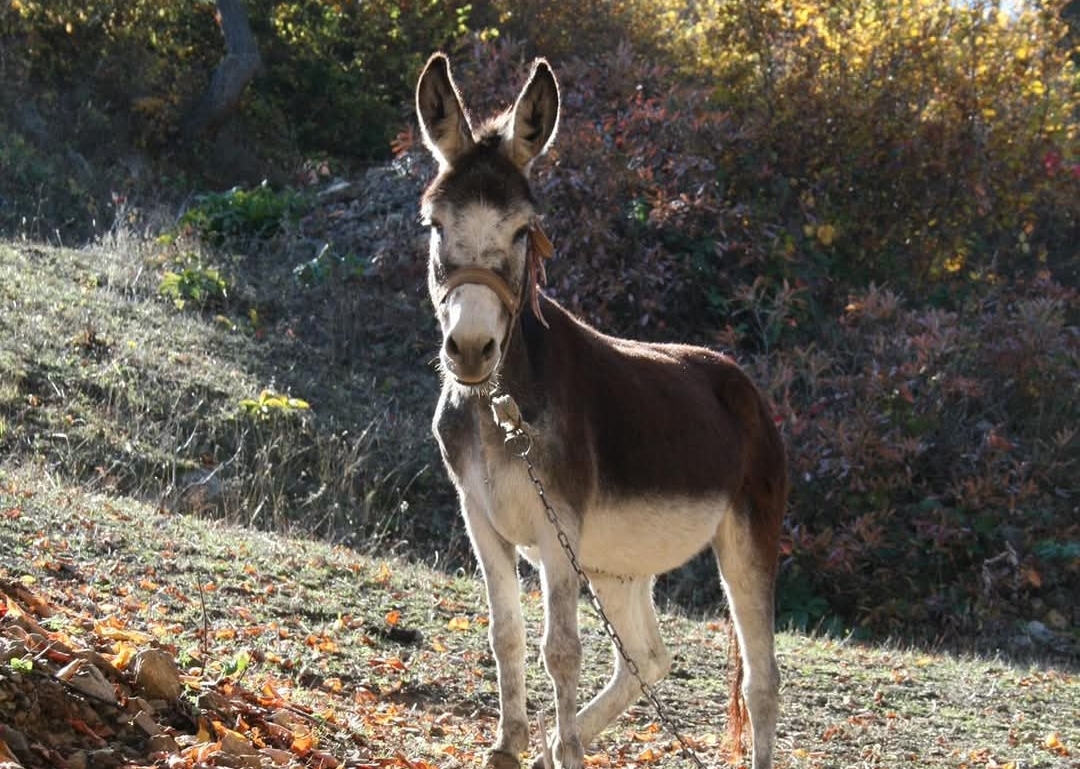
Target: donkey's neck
(524, 374)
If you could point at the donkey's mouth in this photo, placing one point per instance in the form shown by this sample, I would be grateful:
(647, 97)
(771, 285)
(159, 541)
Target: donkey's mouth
(470, 383)
(467, 377)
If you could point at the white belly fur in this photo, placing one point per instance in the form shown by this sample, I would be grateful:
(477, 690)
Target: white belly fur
(637, 536)
(648, 535)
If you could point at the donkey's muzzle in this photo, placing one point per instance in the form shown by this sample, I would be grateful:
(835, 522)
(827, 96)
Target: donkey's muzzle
(470, 361)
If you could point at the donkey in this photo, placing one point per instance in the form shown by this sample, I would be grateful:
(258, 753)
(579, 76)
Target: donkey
(647, 452)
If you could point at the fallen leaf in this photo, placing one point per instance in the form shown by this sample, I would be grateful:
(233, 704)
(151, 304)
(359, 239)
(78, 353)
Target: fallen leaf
(458, 623)
(1054, 744)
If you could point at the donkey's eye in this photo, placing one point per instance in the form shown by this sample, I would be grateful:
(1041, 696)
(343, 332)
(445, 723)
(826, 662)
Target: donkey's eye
(520, 235)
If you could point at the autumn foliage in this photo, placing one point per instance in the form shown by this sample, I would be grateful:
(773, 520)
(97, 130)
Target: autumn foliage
(875, 206)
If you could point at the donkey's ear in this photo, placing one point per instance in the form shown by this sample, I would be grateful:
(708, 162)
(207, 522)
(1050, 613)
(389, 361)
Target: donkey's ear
(535, 117)
(443, 122)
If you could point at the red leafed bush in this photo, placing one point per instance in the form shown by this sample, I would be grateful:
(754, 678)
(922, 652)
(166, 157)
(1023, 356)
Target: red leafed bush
(630, 189)
(934, 456)
(929, 424)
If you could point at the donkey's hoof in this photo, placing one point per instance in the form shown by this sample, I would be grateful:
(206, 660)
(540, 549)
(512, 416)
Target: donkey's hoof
(560, 759)
(499, 759)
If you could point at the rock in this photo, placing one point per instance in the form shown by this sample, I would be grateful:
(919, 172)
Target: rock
(277, 756)
(340, 191)
(223, 758)
(236, 744)
(162, 743)
(15, 740)
(106, 758)
(86, 679)
(1040, 633)
(146, 722)
(157, 676)
(77, 760)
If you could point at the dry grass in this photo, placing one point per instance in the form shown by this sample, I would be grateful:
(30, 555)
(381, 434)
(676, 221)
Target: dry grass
(398, 653)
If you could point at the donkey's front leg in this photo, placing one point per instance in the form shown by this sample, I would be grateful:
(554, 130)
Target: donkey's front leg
(506, 633)
(562, 653)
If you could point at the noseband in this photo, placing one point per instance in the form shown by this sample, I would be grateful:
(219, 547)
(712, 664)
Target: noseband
(484, 277)
(539, 249)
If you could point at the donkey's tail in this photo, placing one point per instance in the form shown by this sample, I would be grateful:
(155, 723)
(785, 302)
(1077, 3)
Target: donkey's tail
(738, 716)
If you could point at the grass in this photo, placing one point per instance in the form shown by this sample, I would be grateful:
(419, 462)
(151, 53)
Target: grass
(396, 653)
(109, 384)
(136, 486)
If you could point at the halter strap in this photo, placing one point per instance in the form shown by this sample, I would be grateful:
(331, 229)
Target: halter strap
(538, 251)
(483, 277)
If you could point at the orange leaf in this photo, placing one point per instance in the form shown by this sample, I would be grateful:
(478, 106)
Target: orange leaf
(458, 623)
(392, 618)
(334, 685)
(649, 755)
(303, 744)
(1053, 743)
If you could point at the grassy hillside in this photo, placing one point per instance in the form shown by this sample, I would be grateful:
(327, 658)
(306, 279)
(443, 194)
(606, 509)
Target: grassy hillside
(146, 450)
(112, 381)
(303, 654)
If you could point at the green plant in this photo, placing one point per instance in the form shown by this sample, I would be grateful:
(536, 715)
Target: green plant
(239, 216)
(203, 287)
(21, 664)
(329, 266)
(269, 404)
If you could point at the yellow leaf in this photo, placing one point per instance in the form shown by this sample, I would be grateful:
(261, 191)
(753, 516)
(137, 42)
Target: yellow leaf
(458, 623)
(203, 734)
(115, 633)
(125, 653)
(1053, 743)
(383, 575)
(826, 233)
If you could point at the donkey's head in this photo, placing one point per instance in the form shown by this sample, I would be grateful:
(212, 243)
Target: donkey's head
(481, 212)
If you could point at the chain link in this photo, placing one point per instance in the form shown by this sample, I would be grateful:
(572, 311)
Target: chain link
(514, 430)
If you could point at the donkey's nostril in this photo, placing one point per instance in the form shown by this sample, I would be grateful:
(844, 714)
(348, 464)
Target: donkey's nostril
(489, 349)
(451, 346)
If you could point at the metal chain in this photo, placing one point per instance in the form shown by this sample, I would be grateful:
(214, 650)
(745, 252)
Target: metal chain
(514, 430)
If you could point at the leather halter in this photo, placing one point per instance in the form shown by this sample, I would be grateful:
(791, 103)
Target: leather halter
(539, 250)
(483, 277)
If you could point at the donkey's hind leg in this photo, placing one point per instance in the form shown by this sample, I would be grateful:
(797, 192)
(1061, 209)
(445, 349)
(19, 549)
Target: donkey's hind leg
(749, 575)
(627, 602)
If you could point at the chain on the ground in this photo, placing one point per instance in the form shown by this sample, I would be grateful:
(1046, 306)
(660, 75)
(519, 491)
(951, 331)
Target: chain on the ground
(515, 432)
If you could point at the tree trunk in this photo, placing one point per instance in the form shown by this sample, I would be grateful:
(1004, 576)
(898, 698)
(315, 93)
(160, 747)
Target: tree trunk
(236, 69)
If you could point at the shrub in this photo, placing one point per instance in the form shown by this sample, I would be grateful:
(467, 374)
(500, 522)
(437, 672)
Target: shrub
(194, 284)
(238, 216)
(925, 444)
(897, 141)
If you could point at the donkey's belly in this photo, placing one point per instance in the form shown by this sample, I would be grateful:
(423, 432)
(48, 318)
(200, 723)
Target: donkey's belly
(650, 535)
